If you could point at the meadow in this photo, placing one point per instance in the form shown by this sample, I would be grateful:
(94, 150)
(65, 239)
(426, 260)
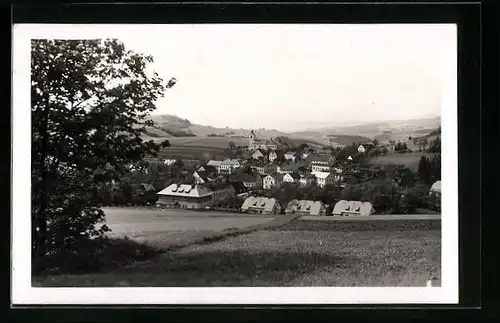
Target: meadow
(288, 253)
(410, 160)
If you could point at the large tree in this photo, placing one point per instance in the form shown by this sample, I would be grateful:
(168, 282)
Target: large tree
(90, 102)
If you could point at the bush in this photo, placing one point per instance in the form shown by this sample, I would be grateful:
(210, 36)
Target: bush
(93, 255)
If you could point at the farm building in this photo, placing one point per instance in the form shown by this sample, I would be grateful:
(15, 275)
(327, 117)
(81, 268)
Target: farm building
(184, 196)
(436, 188)
(261, 205)
(305, 207)
(357, 208)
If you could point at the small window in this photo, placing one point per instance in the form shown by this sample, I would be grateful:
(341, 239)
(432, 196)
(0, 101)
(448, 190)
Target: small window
(358, 208)
(308, 207)
(348, 208)
(254, 203)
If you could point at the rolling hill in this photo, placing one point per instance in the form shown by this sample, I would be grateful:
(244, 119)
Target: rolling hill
(188, 139)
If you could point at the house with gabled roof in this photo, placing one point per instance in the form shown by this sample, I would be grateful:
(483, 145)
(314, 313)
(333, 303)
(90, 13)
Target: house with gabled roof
(228, 166)
(307, 180)
(305, 207)
(250, 181)
(273, 155)
(207, 169)
(352, 208)
(203, 177)
(290, 155)
(291, 178)
(258, 154)
(271, 181)
(187, 196)
(263, 168)
(323, 178)
(287, 168)
(261, 205)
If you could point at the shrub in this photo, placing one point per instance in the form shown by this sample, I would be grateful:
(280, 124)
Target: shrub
(93, 255)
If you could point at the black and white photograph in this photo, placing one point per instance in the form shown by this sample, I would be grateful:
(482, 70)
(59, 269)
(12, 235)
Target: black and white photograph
(211, 159)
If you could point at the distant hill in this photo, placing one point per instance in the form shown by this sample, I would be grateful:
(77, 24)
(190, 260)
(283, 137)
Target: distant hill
(175, 128)
(387, 130)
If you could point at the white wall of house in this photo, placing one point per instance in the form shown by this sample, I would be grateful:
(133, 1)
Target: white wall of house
(269, 182)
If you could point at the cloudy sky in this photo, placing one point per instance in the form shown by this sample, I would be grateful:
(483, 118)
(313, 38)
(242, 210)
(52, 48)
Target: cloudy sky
(291, 77)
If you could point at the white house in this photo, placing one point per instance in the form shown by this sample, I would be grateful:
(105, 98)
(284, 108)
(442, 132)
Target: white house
(184, 196)
(436, 188)
(215, 163)
(323, 178)
(361, 149)
(346, 208)
(169, 161)
(262, 205)
(305, 207)
(338, 173)
(291, 178)
(272, 180)
(227, 166)
(290, 155)
(287, 169)
(306, 180)
(273, 156)
(320, 167)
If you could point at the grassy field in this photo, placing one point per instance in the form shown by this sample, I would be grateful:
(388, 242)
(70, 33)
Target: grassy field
(164, 229)
(299, 253)
(410, 160)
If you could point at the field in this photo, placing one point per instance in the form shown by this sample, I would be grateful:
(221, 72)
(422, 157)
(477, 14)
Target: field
(294, 253)
(164, 229)
(410, 160)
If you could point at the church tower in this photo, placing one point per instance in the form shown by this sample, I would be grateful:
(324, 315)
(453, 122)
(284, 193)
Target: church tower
(251, 138)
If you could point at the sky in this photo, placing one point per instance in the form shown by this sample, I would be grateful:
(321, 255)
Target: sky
(295, 77)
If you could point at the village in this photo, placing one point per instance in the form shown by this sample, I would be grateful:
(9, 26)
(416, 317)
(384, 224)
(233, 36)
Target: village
(268, 177)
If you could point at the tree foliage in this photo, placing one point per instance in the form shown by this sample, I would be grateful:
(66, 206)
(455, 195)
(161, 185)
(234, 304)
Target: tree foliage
(90, 102)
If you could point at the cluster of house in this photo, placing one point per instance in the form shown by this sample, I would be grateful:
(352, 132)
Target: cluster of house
(270, 206)
(267, 167)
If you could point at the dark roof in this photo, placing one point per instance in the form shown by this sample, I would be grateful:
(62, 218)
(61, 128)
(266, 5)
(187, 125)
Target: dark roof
(294, 175)
(244, 177)
(276, 176)
(209, 169)
(289, 166)
(238, 186)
